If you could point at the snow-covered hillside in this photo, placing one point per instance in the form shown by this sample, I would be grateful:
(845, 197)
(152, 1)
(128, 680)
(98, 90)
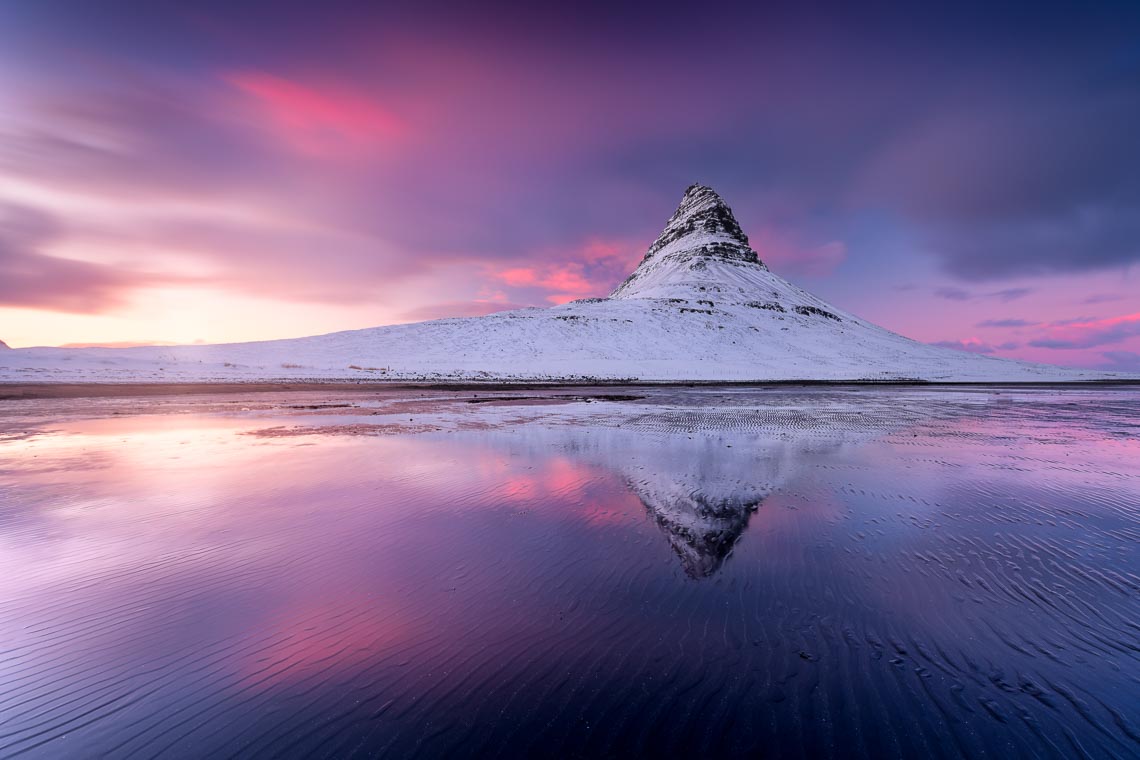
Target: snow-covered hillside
(701, 306)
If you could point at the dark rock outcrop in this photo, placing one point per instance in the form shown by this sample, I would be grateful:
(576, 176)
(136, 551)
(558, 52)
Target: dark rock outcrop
(701, 230)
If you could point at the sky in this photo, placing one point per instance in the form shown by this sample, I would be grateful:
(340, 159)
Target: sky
(179, 172)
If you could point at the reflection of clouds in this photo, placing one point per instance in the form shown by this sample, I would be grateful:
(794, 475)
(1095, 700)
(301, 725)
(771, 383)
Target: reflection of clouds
(310, 635)
(313, 559)
(701, 485)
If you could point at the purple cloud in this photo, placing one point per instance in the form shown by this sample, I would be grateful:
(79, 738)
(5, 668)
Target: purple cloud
(1089, 334)
(1122, 361)
(1005, 323)
(954, 294)
(975, 346)
(31, 278)
(1011, 294)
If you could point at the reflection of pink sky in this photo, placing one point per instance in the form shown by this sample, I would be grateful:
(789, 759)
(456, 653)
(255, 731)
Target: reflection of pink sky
(186, 498)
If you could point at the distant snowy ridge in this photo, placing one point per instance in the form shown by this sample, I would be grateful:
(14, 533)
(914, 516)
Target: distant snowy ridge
(700, 306)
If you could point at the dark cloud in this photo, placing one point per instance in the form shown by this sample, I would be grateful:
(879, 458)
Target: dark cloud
(138, 139)
(1005, 323)
(1086, 332)
(1091, 336)
(1072, 321)
(971, 347)
(1102, 298)
(1038, 182)
(976, 346)
(954, 294)
(1080, 239)
(1122, 361)
(1011, 294)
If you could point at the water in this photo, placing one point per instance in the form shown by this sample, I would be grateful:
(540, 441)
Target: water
(863, 572)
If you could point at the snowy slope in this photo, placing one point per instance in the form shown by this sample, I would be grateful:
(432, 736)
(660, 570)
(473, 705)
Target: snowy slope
(701, 306)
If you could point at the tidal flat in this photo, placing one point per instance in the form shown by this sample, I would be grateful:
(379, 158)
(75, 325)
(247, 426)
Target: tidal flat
(639, 571)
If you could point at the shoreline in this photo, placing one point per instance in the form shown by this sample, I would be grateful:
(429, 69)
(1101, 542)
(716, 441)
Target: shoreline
(10, 391)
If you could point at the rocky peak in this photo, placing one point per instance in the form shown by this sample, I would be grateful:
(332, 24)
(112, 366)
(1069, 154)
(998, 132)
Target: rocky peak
(701, 211)
(703, 222)
(702, 230)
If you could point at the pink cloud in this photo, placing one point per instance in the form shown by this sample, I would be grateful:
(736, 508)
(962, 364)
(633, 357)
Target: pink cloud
(30, 277)
(566, 277)
(314, 121)
(590, 269)
(1089, 334)
(518, 277)
(568, 280)
(974, 346)
(604, 251)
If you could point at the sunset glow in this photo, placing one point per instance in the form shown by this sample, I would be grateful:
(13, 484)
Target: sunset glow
(200, 175)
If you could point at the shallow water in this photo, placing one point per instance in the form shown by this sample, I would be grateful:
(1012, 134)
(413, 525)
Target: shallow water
(869, 572)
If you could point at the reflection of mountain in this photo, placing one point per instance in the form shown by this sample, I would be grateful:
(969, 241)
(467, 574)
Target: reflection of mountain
(700, 484)
(701, 533)
(700, 490)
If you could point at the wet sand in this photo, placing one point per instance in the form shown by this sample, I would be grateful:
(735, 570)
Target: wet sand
(729, 571)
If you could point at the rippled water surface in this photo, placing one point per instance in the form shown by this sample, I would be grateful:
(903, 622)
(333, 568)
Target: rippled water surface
(778, 572)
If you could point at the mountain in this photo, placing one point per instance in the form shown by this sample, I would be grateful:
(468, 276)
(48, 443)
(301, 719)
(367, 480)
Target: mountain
(702, 247)
(700, 306)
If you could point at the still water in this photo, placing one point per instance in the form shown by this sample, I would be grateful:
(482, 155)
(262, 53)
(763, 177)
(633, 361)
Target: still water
(779, 572)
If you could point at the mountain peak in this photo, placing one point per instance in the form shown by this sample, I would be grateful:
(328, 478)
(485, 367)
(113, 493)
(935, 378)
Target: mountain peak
(704, 214)
(702, 230)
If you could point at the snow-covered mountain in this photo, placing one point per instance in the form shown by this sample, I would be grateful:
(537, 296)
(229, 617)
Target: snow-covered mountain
(700, 306)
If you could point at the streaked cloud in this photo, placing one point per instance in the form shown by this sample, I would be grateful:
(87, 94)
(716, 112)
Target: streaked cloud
(29, 276)
(319, 122)
(1004, 323)
(976, 346)
(1089, 334)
